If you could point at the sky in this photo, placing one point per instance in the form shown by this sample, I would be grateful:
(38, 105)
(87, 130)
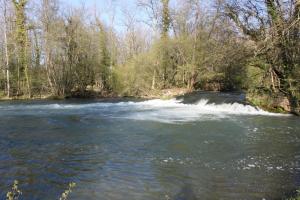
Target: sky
(100, 2)
(108, 8)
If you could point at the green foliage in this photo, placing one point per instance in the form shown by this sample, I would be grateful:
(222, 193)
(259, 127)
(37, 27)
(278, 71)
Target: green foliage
(297, 196)
(135, 76)
(22, 44)
(187, 62)
(66, 193)
(274, 32)
(256, 74)
(105, 58)
(166, 19)
(15, 193)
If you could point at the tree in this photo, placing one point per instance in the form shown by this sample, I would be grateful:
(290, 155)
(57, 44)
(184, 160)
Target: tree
(273, 26)
(49, 22)
(22, 39)
(164, 37)
(105, 60)
(6, 48)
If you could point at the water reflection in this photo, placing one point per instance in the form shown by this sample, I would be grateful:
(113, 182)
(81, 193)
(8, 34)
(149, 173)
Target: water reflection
(186, 193)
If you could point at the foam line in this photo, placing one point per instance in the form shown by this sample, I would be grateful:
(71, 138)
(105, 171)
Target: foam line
(153, 110)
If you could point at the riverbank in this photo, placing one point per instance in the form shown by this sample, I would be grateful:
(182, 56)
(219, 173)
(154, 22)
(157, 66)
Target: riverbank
(277, 103)
(153, 94)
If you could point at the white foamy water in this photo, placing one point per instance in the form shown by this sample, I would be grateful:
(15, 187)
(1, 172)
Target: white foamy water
(175, 111)
(168, 111)
(201, 107)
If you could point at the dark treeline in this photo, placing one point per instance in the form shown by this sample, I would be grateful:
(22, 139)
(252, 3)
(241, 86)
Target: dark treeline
(48, 48)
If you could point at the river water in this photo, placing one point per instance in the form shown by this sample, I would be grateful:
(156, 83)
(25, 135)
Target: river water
(203, 146)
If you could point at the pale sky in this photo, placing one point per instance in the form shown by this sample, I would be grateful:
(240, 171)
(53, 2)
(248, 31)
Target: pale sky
(108, 8)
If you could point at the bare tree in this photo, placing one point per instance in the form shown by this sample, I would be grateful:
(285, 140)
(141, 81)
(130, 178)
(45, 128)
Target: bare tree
(4, 3)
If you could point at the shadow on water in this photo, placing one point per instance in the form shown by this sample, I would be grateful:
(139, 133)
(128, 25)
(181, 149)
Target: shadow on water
(214, 97)
(186, 193)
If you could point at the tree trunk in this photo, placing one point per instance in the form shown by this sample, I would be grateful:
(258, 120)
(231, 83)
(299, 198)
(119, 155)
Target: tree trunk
(26, 69)
(21, 37)
(6, 52)
(153, 80)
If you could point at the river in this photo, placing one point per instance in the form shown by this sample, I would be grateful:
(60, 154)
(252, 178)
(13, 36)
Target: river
(203, 146)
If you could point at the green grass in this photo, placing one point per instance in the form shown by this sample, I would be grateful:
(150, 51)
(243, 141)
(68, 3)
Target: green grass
(297, 196)
(15, 192)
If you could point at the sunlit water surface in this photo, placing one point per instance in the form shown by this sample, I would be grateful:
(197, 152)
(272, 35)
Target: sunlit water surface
(204, 146)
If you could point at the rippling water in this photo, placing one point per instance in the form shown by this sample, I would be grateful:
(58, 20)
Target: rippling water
(205, 146)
